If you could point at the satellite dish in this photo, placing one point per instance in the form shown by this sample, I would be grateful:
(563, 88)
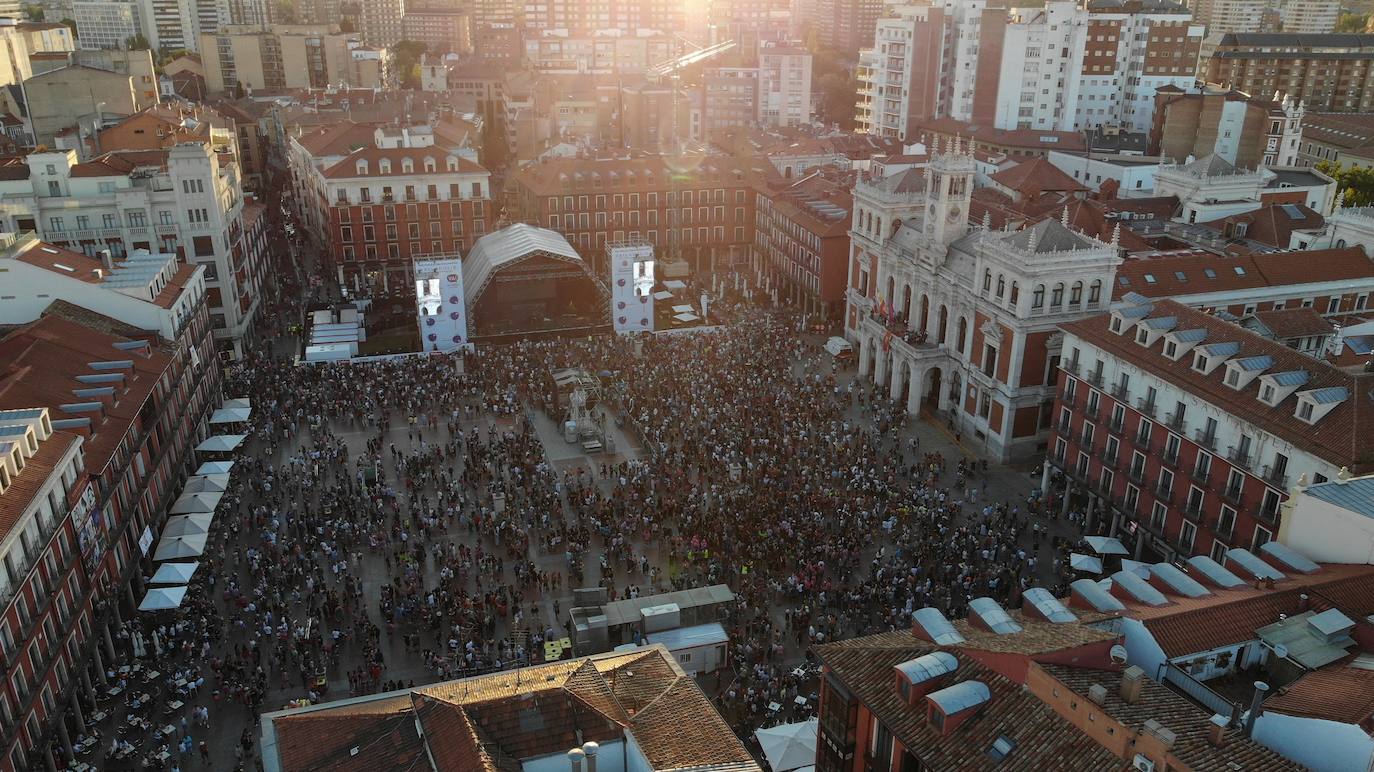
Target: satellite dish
(1280, 651)
(1118, 654)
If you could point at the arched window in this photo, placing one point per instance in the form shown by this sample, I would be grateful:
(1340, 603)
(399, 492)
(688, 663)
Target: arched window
(1001, 286)
(987, 279)
(384, 166)
(1038, 296)
(362, 167)
(429, 164)
(878, 230)
(1340, 243)
(1076, 293)
(1095, 291)
(407, 166)
(1015, 293)
(1057, 297)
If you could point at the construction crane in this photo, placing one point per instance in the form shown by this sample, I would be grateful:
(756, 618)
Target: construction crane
(672, 70)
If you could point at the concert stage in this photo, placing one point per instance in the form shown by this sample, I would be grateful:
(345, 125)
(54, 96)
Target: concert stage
(528, 282)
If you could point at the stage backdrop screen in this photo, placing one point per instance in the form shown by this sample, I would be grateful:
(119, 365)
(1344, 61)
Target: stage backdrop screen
(632, 287)
(439, 307)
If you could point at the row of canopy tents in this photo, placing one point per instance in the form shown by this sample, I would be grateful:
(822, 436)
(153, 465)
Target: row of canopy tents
(1103, 546)
(185, 534)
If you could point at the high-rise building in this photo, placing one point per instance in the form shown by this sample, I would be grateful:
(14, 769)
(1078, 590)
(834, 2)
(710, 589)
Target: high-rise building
(290, 57)
(784, 96)
(168, 24)
(1063, 67)
(1327, 73)
(1309, 17)
(844, 26)
(106, 23)
(382, 21)
(1223, 16)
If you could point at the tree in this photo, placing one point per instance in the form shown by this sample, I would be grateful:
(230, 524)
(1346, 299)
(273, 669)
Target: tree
(1353, 22)
(408, 53)
(347, 27)
(137, 43)
(834, 78)
(1355, 184)
(71, 25)
(34, 12)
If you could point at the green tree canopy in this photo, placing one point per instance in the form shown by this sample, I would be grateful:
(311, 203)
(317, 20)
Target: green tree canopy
(1355, 184)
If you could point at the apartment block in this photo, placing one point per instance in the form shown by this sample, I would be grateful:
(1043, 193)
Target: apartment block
(442, 32)
(376, 207)
(106, 23)
(1132, 51)
(594, 201)
(186, 200)
(1223, 17)
(801, 238)
(784, 95)
(558, 52)
(290, 58)
(1327, 73)
(1247, 132)
(1309, 17)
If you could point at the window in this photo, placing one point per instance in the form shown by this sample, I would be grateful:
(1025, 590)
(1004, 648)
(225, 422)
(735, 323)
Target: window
(1305, 411)
(1186, 535)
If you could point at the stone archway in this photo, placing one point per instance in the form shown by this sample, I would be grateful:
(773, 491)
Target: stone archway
(933, 394)
(963, 334)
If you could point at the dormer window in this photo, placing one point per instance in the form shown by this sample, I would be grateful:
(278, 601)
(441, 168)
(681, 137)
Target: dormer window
(1200, 363)
(1305, 411)
(429, 164)
(1232, 377)
(407, 166)
(1171, 350)
(1142, 336)
(384, 166)
(362, 167)
(1266, 394)
(1313, 405)
(1116, 326)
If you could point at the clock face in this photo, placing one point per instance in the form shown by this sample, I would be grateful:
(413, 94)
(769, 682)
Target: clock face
(954, 214)
(932, 210)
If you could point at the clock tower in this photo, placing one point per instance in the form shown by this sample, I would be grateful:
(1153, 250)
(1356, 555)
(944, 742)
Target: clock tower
(949, 189)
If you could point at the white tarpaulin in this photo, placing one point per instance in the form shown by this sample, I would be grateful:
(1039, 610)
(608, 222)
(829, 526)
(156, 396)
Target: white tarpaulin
(174, 547)
(196, 502)
(187, 525)
(230, 415)
(1105, 545)
(1141, 570)
(1080, 562)
(221, 443)
(175, 573)
(790, 746)
(241, 402)
(206, 483)
(160, 598)
(212, 468)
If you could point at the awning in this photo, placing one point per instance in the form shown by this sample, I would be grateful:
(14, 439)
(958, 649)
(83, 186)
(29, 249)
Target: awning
(790, 746)
(1105, 545)
(206, 483)
(160, 598)
(210, 468)
(196, 502)
(240, 402)
(221, 443)
(187, 525)
(174, 547)
(1079, 562)
(1136, 567)
(175, 573)
(230, 415)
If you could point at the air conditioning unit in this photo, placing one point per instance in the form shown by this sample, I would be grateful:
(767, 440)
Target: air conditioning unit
(1142, 763)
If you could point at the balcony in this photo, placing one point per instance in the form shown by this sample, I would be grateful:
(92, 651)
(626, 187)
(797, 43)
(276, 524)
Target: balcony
(1137, 474)
(1121, 392)
(1175, 421)
(1193, 509)
(1165, 492)
(1093, 410)
(1146, 406)
(1095, 378)
(1109, 458)
(1275, 476)
(1116, 425)
(1202, 475)
(1071, 367)
(1232, 493)
(1239, 457)
(1207, 439)
(1064, 426)
(1224, 531)
(1168, 457)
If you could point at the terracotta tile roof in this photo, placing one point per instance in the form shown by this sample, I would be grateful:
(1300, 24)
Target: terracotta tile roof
(347, 167)
(337, 139)
(633, 174)
(14, 168)
(172, 289)
(1273, 224)
(1343, 437)
(49, 257)
(39, 363)
(1294, 322)
(120, 163)
(1188, 722)
(1226, 617)
(1336, 693)
(385, 739)
(1036, 637)
(1043, 739)
(1035, 176)
(1019, 138)
(801, 201)
(496, 721)
(25, 486)
(1306, 266)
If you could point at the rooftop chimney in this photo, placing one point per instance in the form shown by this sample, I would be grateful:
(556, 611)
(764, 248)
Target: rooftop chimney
(589, 749)
(1304, 603)
(1132, 682)
(1216, 730)
(575, 757)
(1256, 706)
